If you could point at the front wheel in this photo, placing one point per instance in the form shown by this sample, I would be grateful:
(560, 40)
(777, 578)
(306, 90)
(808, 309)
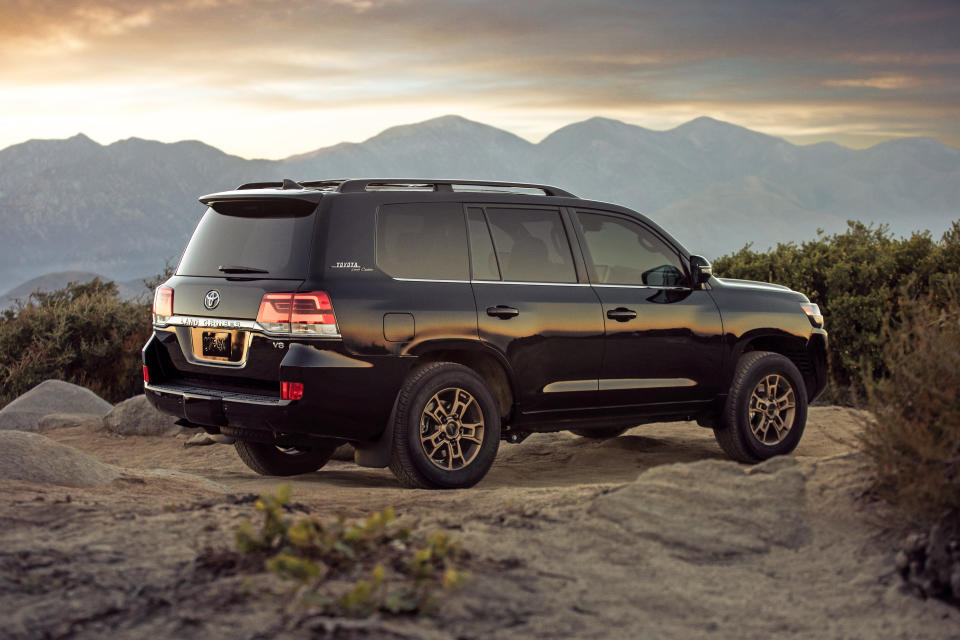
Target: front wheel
(766, 410)
(446, 429)
(273, 460)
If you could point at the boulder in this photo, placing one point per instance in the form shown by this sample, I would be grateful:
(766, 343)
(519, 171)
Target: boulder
(67, 420)
(36, 458)
(50, 396)
(137, 417)
(713, 510)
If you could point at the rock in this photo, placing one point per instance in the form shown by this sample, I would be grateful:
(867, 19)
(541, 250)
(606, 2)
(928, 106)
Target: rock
(200, 439)
(137, 417)
(50, 396)
(713, 510)
(36, 458)
(67, 420)
(344, 452)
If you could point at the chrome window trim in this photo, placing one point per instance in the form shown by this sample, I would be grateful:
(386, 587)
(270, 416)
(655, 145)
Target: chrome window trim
(538, 284)
(641, 286)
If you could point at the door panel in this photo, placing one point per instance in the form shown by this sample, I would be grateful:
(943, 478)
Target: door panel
(546, 323)
(662, 338)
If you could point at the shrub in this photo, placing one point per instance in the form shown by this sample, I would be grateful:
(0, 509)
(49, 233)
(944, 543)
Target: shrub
(381, 566)
(914, 440)
(83, 333)
(856, 278)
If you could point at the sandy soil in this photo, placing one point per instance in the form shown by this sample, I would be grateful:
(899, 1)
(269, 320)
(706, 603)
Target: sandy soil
(652, 534)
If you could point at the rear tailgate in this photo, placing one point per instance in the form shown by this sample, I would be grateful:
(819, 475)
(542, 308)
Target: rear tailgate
(245, 246)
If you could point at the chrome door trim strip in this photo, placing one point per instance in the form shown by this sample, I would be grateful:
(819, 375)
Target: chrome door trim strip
(567, 386)
(617, 384)
(623, 384)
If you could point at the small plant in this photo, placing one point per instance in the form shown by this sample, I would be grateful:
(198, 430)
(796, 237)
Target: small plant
(914, 441)
(377, 560)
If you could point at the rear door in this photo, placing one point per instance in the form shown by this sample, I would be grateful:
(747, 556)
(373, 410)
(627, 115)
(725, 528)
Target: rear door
(534, 306)
(662, 337)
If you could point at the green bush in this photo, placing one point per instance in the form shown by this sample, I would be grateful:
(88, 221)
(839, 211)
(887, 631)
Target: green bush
(856, 277)
(354, 569)
(914, 438)
(83, 334)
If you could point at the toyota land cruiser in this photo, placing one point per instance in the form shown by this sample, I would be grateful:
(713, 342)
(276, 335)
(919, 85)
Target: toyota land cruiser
(424, 321)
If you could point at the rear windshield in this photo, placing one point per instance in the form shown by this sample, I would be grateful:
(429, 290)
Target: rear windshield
(272, 246)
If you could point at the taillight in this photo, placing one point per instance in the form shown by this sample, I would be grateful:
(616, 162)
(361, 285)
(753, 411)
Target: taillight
(298, 314)
(146, 373)
(291, 390)
(162, 304)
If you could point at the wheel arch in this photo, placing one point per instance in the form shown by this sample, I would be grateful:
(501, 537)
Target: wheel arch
(803, 352)
(485, 361)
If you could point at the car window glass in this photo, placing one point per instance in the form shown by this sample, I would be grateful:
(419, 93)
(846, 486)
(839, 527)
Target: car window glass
(531, 245)
(278, 245)
(625, 252)
(427, 241)
(483, 259)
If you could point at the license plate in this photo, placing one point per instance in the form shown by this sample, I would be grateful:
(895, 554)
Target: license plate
(216, 344)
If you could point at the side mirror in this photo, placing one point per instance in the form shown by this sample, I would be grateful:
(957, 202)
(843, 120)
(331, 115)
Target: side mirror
(701, 269)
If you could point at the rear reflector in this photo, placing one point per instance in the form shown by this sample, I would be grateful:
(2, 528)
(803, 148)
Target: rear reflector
(307, 314)
(162, 303)
(146, 373)
(291, 390)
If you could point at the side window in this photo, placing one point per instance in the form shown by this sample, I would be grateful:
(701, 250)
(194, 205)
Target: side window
(531, 245)
(625, 252)
(426, 241)
(482, 256)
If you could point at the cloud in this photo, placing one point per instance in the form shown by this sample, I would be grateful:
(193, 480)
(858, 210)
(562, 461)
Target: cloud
(493, 56)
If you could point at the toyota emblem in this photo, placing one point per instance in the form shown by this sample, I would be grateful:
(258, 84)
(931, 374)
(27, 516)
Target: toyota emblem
(212, 299)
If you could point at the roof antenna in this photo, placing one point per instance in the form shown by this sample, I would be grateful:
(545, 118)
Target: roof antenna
(290, 184)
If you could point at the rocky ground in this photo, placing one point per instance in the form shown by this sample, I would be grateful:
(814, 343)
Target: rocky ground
(652, 534)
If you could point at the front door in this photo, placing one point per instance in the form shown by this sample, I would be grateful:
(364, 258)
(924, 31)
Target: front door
(534, 307)
(662, 342)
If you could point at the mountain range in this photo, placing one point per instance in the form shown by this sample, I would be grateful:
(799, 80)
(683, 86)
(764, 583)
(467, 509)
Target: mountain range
(123, 209)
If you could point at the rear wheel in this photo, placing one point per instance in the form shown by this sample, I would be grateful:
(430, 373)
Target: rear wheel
(272, 460)
(766, 410)
(446, 428)
(600, 434)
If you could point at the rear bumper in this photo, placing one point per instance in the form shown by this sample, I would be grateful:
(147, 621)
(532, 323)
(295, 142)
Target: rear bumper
(344, 397)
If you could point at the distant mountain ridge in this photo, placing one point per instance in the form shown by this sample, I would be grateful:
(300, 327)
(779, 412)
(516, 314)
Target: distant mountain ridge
(123, 209)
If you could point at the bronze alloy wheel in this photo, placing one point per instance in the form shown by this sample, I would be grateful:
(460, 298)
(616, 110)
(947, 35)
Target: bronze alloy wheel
(773, 405)
(451, 428)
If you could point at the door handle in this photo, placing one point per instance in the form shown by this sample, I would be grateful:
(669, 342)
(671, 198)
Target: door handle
(621, 314)
(503, 312)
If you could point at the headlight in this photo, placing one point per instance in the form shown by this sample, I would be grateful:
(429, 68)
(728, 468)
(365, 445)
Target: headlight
(813, 314)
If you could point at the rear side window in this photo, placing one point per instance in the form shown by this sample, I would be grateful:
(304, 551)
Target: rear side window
(531, 245)
(424, 240)
(484, 259)
(274, 243)
(623, 252)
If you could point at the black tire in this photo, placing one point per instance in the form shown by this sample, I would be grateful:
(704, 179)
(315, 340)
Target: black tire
(271, 460)
(409, 460)
(735, 433)
(600, 434)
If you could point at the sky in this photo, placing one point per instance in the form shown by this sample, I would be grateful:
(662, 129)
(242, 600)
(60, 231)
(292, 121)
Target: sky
(259, 78)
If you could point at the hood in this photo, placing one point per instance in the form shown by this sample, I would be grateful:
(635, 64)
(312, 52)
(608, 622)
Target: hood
(755, 285)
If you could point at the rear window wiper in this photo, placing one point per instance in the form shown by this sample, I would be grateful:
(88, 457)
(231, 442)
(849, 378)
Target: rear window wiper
(226, 268)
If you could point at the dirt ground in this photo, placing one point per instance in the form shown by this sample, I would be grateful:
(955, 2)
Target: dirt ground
(649, 535)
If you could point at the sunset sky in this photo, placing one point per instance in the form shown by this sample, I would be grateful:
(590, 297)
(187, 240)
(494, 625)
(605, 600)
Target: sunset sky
(268, 79)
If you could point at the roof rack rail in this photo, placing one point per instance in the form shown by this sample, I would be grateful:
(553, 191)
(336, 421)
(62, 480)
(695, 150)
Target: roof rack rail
(353, 186)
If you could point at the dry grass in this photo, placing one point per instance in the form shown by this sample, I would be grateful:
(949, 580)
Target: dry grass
(914, 441)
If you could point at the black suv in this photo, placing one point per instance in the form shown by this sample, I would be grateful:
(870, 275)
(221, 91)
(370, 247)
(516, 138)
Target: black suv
(423, 321)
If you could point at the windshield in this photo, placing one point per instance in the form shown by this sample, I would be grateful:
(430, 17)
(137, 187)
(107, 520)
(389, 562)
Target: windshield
(271, 246)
